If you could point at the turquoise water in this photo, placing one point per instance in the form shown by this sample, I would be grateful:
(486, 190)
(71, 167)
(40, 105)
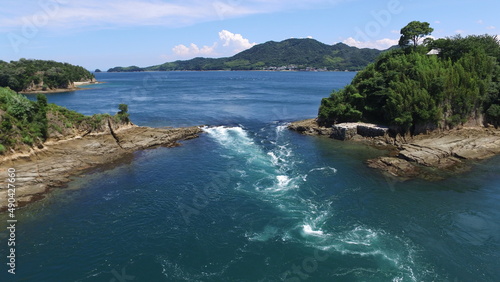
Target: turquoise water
(250, 200)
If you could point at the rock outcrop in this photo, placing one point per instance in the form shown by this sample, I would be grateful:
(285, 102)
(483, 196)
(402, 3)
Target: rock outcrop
(310, 127)
(40, 87)
(52, 166)
(413, 156)
(445, 151)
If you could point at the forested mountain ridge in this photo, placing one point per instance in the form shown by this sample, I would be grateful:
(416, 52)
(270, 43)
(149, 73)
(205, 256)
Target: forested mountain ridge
(294, 54)
(39, 75)
(413, 90)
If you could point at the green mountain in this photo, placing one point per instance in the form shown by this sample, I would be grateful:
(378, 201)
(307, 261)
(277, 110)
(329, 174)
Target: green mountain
(295, 54)
(39, 75)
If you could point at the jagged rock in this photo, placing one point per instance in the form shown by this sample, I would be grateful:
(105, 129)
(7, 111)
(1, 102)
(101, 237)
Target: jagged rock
(395, 166)
(310, 127)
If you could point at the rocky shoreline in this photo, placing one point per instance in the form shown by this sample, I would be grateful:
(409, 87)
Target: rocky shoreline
(43, 169)
(73, 86)
(426, 156)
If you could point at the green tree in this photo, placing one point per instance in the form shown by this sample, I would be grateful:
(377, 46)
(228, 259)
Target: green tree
(414, 32)
(123, 113)
(123, 108)
(494, 114)
(40, 118)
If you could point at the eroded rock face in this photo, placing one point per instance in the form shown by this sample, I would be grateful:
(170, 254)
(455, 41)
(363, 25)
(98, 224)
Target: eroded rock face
(52, 166)
(444, 151)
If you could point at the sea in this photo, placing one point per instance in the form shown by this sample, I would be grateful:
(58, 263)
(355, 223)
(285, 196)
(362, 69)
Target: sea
(250, 200)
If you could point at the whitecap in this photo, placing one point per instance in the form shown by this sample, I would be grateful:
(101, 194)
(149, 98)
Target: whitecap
(307, 229)
(325, 169)
(283, 180)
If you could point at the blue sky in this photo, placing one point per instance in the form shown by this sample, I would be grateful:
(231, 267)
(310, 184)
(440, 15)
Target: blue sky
(107, 33)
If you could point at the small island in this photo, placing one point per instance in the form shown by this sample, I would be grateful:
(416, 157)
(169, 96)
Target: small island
(434, 104)
(40, 76)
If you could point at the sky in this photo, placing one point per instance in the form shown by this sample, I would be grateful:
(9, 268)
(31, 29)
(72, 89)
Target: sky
(108, 33)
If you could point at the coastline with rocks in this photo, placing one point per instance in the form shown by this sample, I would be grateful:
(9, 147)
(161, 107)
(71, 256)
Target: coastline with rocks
(73, 86)
(43, 169)
(425, 156)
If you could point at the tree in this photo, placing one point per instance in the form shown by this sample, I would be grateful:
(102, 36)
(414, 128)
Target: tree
(123, 108)
(414, 31)
(41, 101)
(123, 113)
(494, 114)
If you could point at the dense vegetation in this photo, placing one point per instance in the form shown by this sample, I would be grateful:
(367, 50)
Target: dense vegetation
(413, 91)
(301, 53)
(24, 74)
(27, 123)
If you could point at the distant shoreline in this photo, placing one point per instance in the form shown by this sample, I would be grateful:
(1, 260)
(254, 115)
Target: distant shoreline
(225, 71)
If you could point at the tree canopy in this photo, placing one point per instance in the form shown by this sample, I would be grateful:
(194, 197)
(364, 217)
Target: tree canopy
(19, 75)
(413, 91)
(414, 32)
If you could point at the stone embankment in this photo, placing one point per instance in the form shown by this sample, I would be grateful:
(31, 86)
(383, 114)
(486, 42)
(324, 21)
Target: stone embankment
(341, 131)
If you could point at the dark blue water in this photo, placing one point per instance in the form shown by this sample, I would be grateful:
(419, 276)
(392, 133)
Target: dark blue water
(250, 200)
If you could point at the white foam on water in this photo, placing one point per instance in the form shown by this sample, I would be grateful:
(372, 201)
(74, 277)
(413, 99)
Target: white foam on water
(307, 229)
(282, 127)
(283, 180)
(326, 169)
(272, 177)
(366, 242)
(274, 159)
(237, 141)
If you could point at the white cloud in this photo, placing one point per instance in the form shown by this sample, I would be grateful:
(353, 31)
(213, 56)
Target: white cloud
(480, 21)
(234, 41)
(459, 31)
(229, 44)
(309, 37)
(381, 44)
(437, 22)
(110, 13)
(491, 27)
(193, 49)
(64, 14)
